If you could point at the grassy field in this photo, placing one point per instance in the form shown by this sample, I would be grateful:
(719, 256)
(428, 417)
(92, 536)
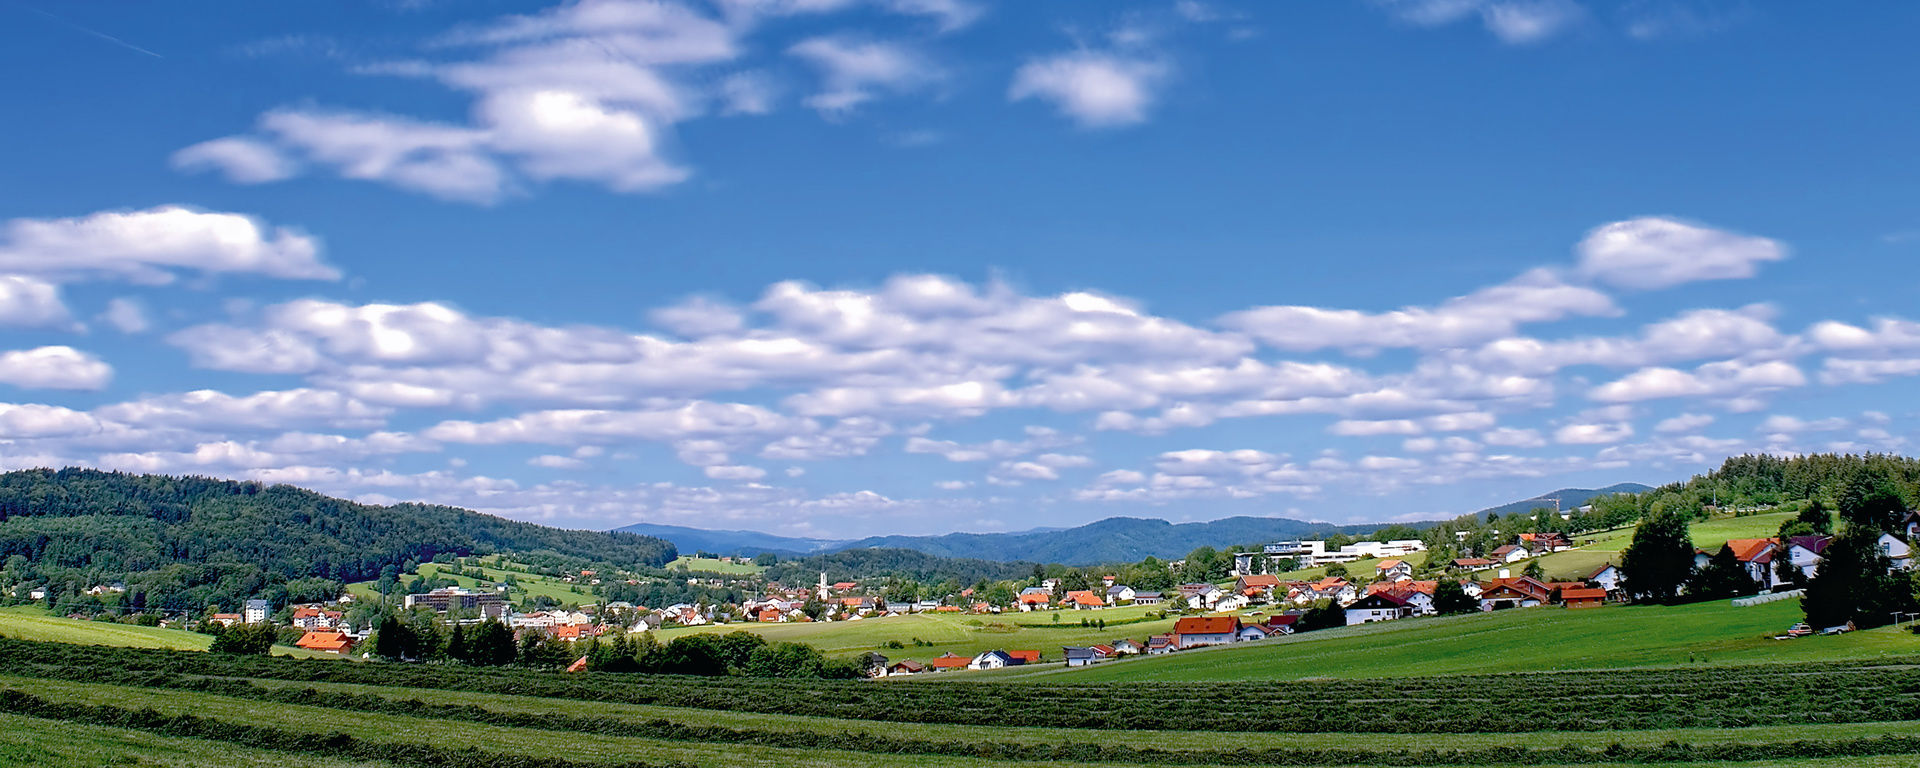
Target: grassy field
(961, 633)
(1524, 640)
(32, 623)
(712, 565)
(1358, 569)
(457, 718)
(1710, 534)
(526, 584)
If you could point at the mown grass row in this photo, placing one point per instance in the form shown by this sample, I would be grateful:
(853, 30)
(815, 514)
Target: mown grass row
(1636, 700)
(426, 754)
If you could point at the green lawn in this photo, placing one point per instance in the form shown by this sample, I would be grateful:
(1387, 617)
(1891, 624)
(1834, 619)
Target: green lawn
(1577, 563)
(829, 728)
(24, 622)
(1521, 640)
(527, 584)
(962, 633)
(52, 744)
(712, 565)
(1358, 570)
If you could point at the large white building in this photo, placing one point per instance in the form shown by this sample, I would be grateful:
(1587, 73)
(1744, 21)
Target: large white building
(1312, 552)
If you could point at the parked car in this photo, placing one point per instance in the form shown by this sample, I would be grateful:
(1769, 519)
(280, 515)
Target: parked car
(1799, 630)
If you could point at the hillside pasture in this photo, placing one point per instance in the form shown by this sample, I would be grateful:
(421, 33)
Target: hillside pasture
(1521, 640)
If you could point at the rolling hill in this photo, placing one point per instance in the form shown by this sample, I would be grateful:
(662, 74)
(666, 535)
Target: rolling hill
(183, 543)
(1569, 498)
(1113, 540)
(690, 540)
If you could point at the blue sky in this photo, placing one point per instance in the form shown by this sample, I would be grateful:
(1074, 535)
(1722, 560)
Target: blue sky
(849, 267)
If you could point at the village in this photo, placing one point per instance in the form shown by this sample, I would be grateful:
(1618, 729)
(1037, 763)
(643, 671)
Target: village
(1252, 606)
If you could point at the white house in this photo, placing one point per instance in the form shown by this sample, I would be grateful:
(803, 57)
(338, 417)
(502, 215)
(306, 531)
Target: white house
(991, 660)
(1230, 603)
(1805, 552)
(1897, 550)
(256, 611)
(1118, 594)
(1606, 577)
(1380, 606)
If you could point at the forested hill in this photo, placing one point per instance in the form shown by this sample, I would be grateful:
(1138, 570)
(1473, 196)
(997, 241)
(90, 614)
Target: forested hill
(899, 563)
(1113, 540)
(181, 543)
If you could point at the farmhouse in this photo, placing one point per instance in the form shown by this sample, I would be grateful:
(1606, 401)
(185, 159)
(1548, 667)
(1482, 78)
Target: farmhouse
(907, 667)
(1119, 594)
(1393, 570)
(1196, 631)
(950, 661)
(1146, 598)
(1606, 577)
(995, 660)
(1083, 600)
(1379, 606)
(1586, 597)
(326, 641)
(1080, 657)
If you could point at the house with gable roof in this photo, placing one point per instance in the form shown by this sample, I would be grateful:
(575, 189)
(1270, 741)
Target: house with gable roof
(1379, 606)
(1393, 570)
(1196, 631)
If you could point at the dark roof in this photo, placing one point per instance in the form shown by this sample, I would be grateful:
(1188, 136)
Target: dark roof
(1814, 544)
(1379, 600)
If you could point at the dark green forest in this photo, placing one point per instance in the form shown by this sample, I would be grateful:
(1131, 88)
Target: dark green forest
(896, 563)
(184, 543)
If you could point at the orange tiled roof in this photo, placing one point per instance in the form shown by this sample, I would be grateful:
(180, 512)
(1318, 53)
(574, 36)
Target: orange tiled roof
(325, 640)
(1745, 550)
(1206, 625)
(1030, 657)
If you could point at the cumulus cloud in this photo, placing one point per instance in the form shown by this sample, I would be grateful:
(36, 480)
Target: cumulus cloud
(1731, 378)
(149, 246)
(126, 315)
(1653, 252)
(1535, 297)
(1686, 422)
(28, 302)
(1092, 88)
(211, 409)
(1593, 434)
(54, 368)
(33, 420)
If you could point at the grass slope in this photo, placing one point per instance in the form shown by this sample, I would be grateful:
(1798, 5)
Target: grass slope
(712, 565)
(50, 744)
(1507, 641)
(960, 633)
(30, 623)
(1607, 545)
(526, 584)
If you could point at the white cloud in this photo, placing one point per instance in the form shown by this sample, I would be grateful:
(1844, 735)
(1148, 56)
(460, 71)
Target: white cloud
(33, 420)
(1094, 89)
(1781, 422)
(1514, 438)
(1652, 253)
(746, 93)
(551, 461)
(1530, 21)
(735, 472)
(146, 246)
(950, 15)
(27, 302)
(126, 315)
(210, 409)
(446, 161)
(699, 317)
(1355, 428)
(1489, 313)
(698, 419)
(853, 71)
(54, 368)
(1722, 379)
(1028, 470)
(241, 159)
(1686, 422)
(1593, 434)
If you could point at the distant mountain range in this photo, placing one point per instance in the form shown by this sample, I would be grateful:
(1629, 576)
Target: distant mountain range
(1113, 540)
